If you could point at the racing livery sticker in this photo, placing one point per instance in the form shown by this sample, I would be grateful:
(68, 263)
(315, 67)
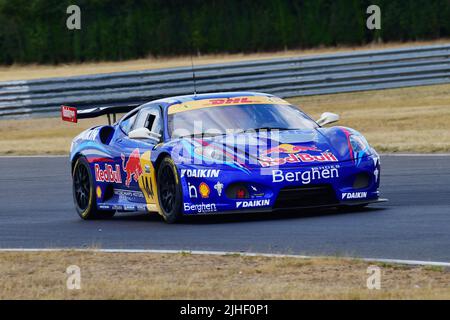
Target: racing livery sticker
(200, 208)
(141, 170)
(252, 203)
(354, 195)
(108, 174)
(306, 176)
(200, 173)
(217, 102)
(147, 182)
(69, 114)
(296, 154)
(98, 191)
(204, 190)
(132, 167)
(218, 187)
(192, 191)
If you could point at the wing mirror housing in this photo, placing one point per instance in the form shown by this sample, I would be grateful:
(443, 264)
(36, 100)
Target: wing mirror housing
(327, 118)
(144, 133)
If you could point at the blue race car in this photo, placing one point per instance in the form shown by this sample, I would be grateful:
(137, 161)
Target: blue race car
(218, 153)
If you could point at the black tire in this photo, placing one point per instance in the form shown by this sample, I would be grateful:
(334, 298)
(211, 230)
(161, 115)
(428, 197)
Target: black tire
(84, 194)
(169, 191)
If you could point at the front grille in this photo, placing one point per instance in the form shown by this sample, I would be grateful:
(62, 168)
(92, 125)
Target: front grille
(305, 196)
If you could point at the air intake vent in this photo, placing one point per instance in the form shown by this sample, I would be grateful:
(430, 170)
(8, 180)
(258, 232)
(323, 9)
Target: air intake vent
(305, 196)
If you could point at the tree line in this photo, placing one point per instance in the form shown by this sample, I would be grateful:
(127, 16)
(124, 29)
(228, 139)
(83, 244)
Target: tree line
(34, 31)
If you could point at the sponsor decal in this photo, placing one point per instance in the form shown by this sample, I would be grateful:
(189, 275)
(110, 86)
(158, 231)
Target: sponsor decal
(109, 174)
(289, 148)
(354, 195)
(192, 191)
(200, 173)
(142, 208)
(217, 102)
(219, 187)
(117, 207)
(256, 193)
(98, 190)
(296, 154)
(375, 171)
(204, 190)
(230, 101)
(69, 114)
(147, 180)
(104, 206)
(252, 203)
(200, 208)
(147, 187)
(129, 208)
(132, 167)
(306, 176)
(128, 193)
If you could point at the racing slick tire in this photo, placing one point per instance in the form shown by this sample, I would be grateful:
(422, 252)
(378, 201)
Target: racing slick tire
(84, 193)
(169, 191)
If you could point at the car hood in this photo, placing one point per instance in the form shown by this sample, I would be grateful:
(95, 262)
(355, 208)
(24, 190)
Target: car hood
(267, 149)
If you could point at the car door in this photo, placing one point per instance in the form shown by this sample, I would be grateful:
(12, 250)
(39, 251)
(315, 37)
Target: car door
(140, 175)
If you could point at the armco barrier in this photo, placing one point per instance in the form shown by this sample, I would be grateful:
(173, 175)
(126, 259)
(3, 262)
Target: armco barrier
(287, 77)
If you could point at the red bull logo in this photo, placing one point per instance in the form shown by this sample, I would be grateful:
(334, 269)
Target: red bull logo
(133, 167)
(289, 148)
(297, 154)
(108, 175)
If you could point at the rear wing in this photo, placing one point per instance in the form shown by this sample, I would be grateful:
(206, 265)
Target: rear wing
(72, 114)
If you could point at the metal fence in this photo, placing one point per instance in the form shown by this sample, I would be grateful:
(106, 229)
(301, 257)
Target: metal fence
(287, 77)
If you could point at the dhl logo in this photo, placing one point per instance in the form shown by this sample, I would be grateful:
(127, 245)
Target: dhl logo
(245, 100)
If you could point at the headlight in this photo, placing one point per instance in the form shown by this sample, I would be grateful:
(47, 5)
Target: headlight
(359, 145)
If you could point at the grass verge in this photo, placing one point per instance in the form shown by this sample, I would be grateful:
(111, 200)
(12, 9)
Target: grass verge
(412, 119)
(35, 275)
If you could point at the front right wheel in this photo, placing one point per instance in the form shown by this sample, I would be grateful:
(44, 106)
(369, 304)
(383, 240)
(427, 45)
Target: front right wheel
(169, 191)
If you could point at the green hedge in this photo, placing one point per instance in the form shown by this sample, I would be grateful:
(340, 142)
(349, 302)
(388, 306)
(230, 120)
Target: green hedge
(35, 30)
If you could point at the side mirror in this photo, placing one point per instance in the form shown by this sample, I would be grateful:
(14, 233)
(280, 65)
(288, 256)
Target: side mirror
(327, 118)
(144, 133)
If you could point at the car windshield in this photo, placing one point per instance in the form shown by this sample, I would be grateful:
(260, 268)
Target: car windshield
(237, 118)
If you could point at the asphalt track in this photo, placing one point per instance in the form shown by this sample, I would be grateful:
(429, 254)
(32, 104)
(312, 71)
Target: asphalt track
(36, 211)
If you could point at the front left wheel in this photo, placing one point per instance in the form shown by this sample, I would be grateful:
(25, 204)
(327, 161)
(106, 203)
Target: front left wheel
(83, 193)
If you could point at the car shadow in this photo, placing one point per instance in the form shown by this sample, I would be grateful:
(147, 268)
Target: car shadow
(252, 217)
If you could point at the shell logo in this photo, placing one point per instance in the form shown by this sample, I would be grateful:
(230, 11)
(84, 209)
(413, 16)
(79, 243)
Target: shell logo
(204, 190)
(99, 192)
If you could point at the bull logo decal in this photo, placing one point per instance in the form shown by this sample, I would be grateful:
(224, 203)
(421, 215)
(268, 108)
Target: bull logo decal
(147, 186)
(132, 167)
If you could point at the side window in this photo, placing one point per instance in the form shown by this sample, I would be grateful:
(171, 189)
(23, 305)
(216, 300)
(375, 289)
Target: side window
(127, 123)
(149, 118)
